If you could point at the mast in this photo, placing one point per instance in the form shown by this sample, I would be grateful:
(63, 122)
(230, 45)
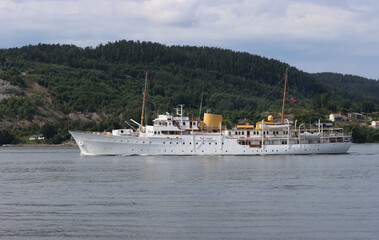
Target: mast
(201, 104)
(143, 103)
(284, 95)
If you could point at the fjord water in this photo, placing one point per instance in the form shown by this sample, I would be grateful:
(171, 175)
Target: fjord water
(54, 193)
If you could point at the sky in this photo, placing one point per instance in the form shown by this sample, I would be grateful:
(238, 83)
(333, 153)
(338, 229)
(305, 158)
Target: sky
(312, 35)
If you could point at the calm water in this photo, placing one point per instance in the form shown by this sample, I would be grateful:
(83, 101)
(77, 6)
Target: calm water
(54, 193)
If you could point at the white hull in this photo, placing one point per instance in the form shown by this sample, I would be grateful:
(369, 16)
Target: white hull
(196, 144)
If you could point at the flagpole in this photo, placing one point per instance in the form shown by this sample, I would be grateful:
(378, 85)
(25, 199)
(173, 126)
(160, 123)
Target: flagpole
(284, 95)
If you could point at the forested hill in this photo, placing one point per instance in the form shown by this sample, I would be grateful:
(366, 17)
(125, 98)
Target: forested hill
(350, 87)
(105, 82)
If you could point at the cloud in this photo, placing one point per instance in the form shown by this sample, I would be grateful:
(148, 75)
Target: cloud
(289, 30)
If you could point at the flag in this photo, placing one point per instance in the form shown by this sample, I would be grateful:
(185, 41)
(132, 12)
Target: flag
(294, 100)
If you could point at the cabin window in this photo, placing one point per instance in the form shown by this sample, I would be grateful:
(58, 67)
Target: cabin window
(184, 123)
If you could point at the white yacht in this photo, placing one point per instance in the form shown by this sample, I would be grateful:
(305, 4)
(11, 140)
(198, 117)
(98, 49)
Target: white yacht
(182, 135)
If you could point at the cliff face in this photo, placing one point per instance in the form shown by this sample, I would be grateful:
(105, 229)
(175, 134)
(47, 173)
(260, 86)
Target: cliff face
(37, 101)
(7, 90)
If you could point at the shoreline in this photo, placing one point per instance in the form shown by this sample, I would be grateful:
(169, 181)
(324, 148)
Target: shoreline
(64, 144)
(73, 144)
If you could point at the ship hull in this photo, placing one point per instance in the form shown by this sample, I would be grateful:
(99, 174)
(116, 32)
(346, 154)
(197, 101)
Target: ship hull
(197, 144)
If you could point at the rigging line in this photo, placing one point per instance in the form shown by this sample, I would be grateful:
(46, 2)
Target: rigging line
(272, 88)
(261, 99)
(268, 93)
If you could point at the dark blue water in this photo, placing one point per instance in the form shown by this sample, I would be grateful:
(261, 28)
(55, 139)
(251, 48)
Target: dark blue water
(54, 193)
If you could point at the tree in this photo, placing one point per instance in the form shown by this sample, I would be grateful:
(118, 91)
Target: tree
(48, 130)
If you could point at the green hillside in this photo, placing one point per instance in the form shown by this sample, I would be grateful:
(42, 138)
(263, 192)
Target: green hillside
(350, 87)
(98, 88)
